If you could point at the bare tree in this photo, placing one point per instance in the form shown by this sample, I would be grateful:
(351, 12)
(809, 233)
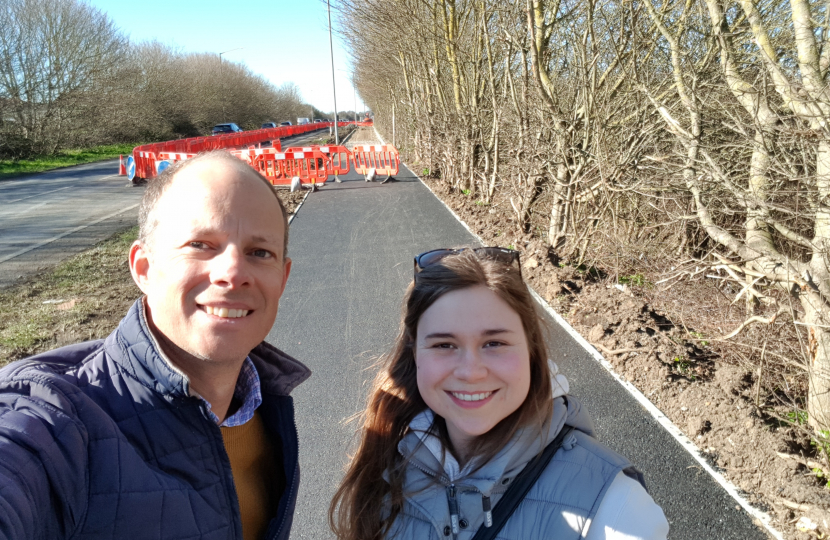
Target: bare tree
(53, 55)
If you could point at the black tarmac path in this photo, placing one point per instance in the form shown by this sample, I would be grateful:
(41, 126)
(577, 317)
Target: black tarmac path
(352, 245)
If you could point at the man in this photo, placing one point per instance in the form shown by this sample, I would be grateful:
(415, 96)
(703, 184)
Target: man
(179, 424)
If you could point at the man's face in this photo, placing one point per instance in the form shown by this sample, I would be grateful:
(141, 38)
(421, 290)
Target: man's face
(213, 269)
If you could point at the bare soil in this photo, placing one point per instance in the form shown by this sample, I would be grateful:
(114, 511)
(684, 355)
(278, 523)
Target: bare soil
(291, 200)
(662, 341)
(363, 135)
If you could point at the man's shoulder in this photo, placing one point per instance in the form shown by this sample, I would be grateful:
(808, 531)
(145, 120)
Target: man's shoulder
(56, 363)
(279, 373)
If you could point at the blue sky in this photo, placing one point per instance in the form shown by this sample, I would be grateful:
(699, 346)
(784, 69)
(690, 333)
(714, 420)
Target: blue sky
(282, 40)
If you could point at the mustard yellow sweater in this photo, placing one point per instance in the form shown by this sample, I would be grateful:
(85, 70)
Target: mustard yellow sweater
(256, 464)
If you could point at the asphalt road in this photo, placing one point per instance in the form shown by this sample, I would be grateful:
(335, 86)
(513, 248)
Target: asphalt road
(47, 217)
(352, 245)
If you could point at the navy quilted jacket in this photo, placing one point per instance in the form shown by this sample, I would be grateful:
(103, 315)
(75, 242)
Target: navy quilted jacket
(102, 440)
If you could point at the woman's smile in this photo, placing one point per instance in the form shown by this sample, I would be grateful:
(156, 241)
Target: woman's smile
(471, 400)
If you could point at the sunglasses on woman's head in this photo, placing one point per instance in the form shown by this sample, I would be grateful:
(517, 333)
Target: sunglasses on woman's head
(502, 255)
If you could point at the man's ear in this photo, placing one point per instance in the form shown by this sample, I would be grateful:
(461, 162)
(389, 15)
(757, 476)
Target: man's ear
(140, 265)
(286, 271)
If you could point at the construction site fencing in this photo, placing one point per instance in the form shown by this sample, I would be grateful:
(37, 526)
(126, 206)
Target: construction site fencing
(383, 158)
(145, 157)
(312, 164)
(336, 157)
(280, 167)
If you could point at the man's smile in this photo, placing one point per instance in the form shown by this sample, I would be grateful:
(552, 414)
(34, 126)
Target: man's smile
(225, 312)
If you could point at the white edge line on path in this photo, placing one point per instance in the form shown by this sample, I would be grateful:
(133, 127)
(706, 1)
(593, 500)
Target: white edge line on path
(296, 210)
(656, 413)
(67, 233)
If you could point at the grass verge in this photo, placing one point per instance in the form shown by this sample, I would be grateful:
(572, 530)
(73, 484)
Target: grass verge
(11, 168)
(83, 298)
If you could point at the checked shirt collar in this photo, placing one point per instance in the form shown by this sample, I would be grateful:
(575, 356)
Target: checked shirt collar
(247, 391)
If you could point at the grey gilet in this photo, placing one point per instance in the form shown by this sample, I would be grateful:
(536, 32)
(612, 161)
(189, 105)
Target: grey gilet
(442, 501)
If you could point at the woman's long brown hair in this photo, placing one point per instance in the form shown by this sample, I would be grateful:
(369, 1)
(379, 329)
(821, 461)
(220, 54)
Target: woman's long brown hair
(370, 496)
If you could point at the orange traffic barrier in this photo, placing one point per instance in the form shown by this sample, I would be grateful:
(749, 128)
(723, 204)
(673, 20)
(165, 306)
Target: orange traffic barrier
(383, 158)
(145, 163)
(175, 156)
(146, 157)
(280, 167)
(336, 157)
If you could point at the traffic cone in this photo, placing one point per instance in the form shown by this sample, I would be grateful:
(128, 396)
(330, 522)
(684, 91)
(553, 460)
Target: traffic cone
(122, 169)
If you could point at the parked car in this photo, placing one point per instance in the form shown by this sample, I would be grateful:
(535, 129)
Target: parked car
(302, 121)
(269, 125)
(286, 124)
(318, 121)
(225, 128)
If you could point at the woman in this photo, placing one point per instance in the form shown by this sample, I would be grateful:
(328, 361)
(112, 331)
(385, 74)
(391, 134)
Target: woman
(464, 402)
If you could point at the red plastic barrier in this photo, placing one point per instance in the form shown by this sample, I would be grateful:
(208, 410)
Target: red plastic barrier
(336, 157)
(175, 156)
(383, 158)
(281, 167)
(147, 156)
(145, 162)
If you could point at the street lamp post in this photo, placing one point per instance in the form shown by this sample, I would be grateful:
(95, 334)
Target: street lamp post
(333, 87)
(221, 72)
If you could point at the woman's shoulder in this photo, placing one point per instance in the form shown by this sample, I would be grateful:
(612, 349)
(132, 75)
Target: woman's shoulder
(600, 488)
(582, 458)
(568, 493)
(628, 511)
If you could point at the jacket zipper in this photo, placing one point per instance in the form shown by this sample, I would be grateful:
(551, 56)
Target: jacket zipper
(453, 504)
(488, 514)
(452, 492)
(452, 497)
(294, 479)
(443, 478)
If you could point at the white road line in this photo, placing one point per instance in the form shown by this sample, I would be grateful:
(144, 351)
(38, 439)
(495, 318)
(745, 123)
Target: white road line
(67, 233)
(38, 194)
(26, 211)
(23, 181)
(656, 413)
(17, 183)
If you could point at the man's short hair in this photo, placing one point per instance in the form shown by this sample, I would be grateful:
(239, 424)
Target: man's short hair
(158, 185)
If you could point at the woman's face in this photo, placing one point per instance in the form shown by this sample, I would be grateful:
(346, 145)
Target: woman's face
(473, 362)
